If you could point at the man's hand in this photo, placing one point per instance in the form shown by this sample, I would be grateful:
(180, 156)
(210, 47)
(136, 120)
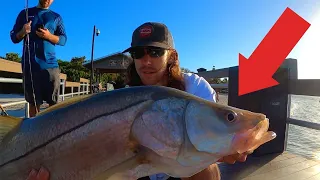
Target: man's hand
(26, 29)
(44, 33)
(231, 159)
(42, 174)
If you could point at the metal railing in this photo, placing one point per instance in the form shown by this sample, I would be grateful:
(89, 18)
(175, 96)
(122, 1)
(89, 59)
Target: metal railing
(292, 121)
(296, 87)
(302, 123)
(222, 86)
(83, 89)
(26, 108)
(10, 80)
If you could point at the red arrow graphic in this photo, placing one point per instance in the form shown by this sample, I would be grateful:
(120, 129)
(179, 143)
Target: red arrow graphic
(256, 72)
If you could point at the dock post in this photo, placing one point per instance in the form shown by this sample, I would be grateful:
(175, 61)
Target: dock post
(63, 89)
(72, 91)
(272, 102)
(26, 110)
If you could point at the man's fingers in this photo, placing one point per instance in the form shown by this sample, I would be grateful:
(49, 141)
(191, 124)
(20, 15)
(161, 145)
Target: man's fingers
(39, 33)
(29, 23)
(229, 159)
(42, 30)
(242, 158)
(43, 174)
(247, 152)
(32, 175)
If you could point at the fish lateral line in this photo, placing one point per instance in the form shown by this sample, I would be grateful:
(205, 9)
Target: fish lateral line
(66, 132)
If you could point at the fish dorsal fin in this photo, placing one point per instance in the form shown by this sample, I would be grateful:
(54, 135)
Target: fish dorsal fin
(7, 125)
(65, 103)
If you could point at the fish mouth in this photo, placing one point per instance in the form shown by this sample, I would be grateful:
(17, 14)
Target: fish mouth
(248, 141)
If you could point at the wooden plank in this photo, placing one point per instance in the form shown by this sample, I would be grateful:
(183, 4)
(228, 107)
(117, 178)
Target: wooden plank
(282, 172)
(315, 177)
(84, 80)
(308, 87)
(15, 67)
(271, 166)
(63, 76)
(10, 66)
(280, 158)
(288, 155)
(303, 174)
(277, 165)
(72, 84)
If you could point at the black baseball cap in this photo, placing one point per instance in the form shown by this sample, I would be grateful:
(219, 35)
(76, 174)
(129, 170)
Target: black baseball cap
(151, 34)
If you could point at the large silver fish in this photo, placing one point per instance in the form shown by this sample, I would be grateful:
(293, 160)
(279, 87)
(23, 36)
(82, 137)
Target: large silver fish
(127, 134)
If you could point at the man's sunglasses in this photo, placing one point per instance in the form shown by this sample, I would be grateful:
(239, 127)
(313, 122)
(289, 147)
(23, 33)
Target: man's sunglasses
(137, 53)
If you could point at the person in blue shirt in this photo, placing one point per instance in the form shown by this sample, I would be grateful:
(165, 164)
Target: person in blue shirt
(41, 29)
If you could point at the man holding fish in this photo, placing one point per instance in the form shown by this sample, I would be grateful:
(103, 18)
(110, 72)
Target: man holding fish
(156, 63)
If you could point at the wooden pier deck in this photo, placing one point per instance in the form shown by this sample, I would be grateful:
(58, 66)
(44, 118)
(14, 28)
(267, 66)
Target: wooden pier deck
(285, 166)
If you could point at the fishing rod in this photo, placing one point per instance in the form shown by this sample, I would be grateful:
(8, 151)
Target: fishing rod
(27, 46)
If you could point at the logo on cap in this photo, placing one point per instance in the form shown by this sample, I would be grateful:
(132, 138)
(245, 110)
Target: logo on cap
(145, 31)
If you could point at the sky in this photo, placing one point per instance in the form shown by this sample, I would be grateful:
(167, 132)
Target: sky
(207, 33)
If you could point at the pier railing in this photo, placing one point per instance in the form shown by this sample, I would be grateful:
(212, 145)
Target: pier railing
(305, 87)
(297, 87)
(83, 88)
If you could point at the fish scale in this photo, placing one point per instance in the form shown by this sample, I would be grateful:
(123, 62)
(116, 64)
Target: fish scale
(79, 154)
(126, 134)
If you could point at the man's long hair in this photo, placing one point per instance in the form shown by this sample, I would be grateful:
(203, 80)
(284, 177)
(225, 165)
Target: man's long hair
(173, 73)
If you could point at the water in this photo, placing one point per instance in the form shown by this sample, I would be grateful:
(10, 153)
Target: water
(304, 141)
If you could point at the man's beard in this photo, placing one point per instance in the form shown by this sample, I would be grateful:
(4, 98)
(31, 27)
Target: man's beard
(42, 4)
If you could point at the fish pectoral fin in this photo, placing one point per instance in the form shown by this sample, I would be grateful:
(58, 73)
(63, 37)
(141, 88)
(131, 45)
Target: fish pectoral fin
(118, 170)
(7, 125)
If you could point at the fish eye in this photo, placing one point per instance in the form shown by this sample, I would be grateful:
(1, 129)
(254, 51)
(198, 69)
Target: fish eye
(231, 116)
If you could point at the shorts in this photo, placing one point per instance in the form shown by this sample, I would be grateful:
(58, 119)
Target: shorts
(46, 85)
